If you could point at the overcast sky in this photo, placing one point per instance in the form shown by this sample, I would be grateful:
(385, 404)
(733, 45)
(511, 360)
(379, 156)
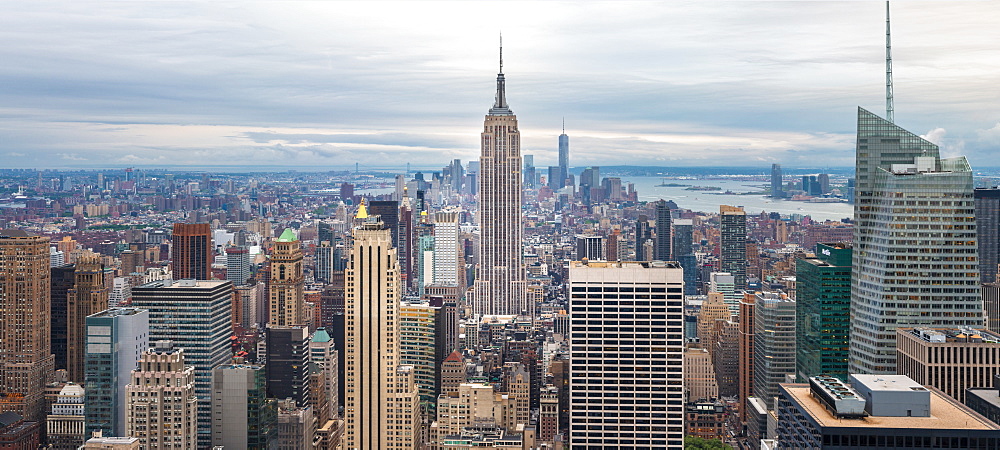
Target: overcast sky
(327, 84)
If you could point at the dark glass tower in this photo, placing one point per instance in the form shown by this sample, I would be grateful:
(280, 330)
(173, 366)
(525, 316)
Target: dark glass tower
(663, 231)
(988, 229)
(823, 312)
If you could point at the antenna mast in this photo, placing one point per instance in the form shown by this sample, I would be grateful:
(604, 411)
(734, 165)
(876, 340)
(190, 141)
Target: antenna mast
(501, 50)
(888, 68)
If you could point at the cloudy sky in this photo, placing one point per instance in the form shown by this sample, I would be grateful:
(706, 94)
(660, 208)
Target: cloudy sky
(327, 84)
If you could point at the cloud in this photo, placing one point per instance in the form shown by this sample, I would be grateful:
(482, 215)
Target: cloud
(323, 84)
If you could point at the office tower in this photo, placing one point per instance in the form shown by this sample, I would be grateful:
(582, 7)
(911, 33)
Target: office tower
(295, 425)
(376, 385)
(823, 315)
(88, 296)
(642, 234)
(699, 375)
(500, 287)
(326, 252)
(744, 388)
(446, 249)
(388, 212)
(162, 405)
(725, 284)
(323, 354)
(286, 283)
(824, 183)
(116, 338)
(64, 426)
(453, 373)
(663, 229)
(949, 359)
(425, 261)
(987, 201)
(590, 248)
(248, 298)
(63, 279)
(713, 309)
(191, 254)
(26, 360)
(683, 251)
(417, 346)
(288, 363)
(726, 357)
(242, 415)
(529, 171)
(237, 265)
(563, 157)
(773, 344)
(553, 177)
(608, 403)
(132, 262)
(195, 316)
(733, 243)
(877, 412)
(776, 182)
(907, 273)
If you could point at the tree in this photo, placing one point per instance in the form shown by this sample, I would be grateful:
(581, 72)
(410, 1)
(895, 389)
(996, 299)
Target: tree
(697, 443)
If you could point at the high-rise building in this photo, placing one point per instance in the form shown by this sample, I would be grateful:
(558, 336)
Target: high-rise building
(563, 157)
(116, 338)
(642, 235)
(663, 230)
(65, 426)
(683, 251)
(238, 265)
(191, 254)
(914, 242)
(777, 183)
(446, 249)
(773, 344)
(26, 360)
(590, 248)
(242, 414)
(610, 392)
(326, 252)
(377, 387)
(418, 345)
(733, 243)
(288, 363)
(987, 202)
(324, 355)
(162, 406)
(952, 360)
(501, 286)
(745, 371)
(196, 316)
(285, 286)
(388, 212)
(823, 312)
(63, 279)
(88, 296)
(725, 284)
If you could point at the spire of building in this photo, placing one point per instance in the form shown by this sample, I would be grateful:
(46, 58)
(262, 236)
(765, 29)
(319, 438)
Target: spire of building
(500, 107)
(888, 68)
(564, 126)
(362, 211)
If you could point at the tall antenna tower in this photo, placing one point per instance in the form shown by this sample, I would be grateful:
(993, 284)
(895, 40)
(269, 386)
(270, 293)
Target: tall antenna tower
(888, 67)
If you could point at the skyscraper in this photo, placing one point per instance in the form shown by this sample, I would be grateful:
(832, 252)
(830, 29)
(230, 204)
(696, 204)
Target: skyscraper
(914, 242)
(563, 157)
(776, 181)
(243, 416)
(192, 250)
(774, 344)
(377, 386)
(288, 363)
(663, 241)
(446, 254)
(988, 231)
(287, 302)
(237, 265)
(26, 360)
(823, 312)
(642, 234)
(633, 396)
(88, 296)
(196, 316)
(162, 405)
(733, 251)
(116, 338)
(501, 286)
(683, 251)
(388, 212)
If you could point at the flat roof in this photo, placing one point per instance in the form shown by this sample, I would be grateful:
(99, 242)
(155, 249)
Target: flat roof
(183, 284)
(888, 382)
(946, 414)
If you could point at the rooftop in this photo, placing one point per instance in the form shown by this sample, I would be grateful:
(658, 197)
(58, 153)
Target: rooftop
(946, 413)
(952, 335)
(625, 264)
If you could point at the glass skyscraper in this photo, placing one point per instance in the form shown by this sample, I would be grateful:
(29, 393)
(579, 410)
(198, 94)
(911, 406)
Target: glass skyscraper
(823, 312)
(914, 242)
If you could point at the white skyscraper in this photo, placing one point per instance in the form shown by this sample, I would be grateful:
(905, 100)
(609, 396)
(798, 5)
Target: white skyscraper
(627, 373)
(446, 271)
(500, 285)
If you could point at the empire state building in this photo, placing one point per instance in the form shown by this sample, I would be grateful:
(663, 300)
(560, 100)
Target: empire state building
(500, 287)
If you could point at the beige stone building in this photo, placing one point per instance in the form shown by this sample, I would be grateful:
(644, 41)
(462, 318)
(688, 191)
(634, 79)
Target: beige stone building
(713, 309)
(162, 406)
(287, 301)
(699, 375)
(381, 410)
(949, 359)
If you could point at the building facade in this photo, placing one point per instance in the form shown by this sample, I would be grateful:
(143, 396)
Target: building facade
(823, 312)
(285, 286)
(915, 246)
(952, 360)
(116, 338)
(191, 251)
(161, 409)
(242, 414)
(611, 392)
(733, 243)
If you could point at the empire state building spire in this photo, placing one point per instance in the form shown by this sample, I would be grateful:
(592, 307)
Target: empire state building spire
(500, 107)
